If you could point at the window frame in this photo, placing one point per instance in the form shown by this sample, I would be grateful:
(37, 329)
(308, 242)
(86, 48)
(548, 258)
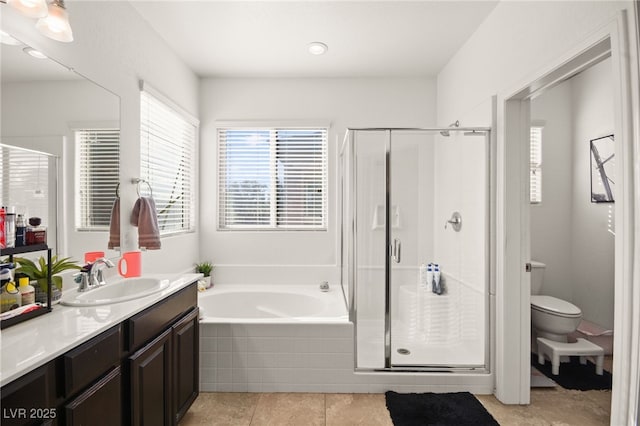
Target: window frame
(192, 203)
(273, 127)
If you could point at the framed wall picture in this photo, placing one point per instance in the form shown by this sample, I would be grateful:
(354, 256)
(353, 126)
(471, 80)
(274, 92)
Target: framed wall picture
(602, 169)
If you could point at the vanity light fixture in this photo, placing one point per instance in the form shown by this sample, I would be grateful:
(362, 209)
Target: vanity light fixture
(30, 8)
(56, 24)
(317, 48)
(35, 53)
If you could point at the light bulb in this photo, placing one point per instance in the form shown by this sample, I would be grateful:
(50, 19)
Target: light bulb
(56, 25)
(30, 8)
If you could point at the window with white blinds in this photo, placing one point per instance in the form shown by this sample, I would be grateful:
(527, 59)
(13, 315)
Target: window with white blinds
(24, 182)
(535, 165)
(98, 174)
(167, 163)
(272, 178)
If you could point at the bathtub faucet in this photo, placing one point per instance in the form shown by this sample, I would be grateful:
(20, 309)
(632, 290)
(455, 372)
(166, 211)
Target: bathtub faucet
(324, 286)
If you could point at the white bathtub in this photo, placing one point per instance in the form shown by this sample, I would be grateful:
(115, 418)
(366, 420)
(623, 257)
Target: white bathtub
(273, 304)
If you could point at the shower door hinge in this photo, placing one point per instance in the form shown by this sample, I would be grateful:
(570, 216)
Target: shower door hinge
(527, 267)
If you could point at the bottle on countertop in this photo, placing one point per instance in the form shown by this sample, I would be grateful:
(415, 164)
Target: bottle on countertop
(27, 291)
(10, 298)
(21, 231)
(36, 233)
(3, 238)
(9, 226)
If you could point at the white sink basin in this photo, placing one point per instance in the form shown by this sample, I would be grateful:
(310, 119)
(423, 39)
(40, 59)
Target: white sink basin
(115, 292)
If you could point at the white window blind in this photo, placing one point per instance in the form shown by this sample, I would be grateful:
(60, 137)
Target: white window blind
(272, 178)
(24, 181)
(535, 162)
(167, 163)
(98, 174)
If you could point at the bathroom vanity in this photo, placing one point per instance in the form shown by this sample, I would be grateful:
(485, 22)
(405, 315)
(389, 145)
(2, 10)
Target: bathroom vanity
(129, 363)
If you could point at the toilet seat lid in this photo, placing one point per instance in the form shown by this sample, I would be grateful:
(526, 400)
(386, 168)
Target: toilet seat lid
(555, 306)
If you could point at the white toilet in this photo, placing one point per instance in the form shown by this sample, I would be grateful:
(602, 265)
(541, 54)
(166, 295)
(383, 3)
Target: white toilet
(551, 317)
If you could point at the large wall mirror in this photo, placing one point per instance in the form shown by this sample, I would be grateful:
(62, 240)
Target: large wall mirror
(68, 128)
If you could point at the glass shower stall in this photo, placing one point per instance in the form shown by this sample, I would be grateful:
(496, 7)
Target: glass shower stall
(410, 198)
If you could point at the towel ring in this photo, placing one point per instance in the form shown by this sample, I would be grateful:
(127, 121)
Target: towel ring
(138, 181)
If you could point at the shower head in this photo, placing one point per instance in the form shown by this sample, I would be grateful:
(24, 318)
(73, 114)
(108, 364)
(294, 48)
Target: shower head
(446, 132)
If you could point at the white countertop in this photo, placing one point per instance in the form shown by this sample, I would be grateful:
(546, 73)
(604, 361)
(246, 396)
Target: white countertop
(30, 344)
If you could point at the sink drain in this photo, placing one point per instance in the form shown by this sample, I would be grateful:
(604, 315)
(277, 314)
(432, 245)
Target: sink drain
(403, 351)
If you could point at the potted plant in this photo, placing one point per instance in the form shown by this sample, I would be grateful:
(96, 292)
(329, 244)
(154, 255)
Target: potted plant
(38, 272)
(205, 268)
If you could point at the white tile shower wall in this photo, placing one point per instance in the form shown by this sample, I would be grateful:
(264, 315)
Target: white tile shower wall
(303, 358)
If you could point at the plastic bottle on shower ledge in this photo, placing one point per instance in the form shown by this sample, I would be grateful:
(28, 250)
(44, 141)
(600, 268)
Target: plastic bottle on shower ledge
(436, 287)
(429, 276)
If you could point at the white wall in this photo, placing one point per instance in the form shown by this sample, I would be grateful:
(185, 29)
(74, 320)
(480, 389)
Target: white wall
(515, 44)
(115, 48)
(308, 256)
(568, 231)
(593, 246)
(551, 220)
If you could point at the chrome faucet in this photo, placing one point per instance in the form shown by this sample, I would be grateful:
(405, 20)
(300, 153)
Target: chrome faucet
(91, 278)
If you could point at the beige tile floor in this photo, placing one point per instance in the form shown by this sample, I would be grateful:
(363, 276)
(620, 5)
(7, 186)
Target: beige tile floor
(555, 406)
(549, 406)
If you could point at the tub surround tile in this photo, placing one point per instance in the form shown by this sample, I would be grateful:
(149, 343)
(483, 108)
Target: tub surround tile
(293, 409)
(357, 409)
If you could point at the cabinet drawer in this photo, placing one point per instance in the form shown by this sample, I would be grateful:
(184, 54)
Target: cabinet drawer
(99, 405)
(152, 321)
(84, 364)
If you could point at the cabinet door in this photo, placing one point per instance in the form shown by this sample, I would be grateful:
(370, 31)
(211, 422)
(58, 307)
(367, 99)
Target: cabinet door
(100, 405)
(30, 400)
(151, 384)
(186, 362)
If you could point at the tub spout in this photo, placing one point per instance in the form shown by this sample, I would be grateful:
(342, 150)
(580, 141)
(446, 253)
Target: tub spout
(324, 286)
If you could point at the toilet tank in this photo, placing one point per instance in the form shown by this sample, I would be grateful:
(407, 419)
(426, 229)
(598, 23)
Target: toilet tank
(537, 275)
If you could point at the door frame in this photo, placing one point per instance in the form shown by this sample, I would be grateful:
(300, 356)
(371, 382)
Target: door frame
(512, 221)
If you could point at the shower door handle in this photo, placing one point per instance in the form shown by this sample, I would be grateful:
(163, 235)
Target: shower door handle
(397, 247)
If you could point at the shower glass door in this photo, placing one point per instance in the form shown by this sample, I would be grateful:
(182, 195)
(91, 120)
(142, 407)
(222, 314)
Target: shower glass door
(404, 186)
(437, 324)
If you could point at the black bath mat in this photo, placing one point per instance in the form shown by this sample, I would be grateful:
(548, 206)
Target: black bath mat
(437, 409)
(574, 375)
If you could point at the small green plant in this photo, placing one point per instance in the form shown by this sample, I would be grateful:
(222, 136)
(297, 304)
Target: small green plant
(204, 268)
(38, 272)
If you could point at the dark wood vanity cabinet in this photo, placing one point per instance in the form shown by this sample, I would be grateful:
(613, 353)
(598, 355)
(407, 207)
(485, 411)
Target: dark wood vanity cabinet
(143, 371)
(186, 352)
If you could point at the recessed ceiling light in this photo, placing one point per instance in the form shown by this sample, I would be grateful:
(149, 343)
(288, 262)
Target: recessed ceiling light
(35, 53)
(317, 48)
(7, 39)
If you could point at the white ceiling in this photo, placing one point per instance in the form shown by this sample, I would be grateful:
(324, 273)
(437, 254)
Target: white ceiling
(268, 39)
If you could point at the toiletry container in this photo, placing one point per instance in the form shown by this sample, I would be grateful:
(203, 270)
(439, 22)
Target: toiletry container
(36, 233)
(27, 292)
(3, 240)
(10, 298)
(21, 231)
(9, 227)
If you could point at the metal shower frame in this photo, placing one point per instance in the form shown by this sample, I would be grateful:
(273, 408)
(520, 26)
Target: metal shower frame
(350, 297)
